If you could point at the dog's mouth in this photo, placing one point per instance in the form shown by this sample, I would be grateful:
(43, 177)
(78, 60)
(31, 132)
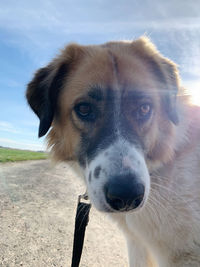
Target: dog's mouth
(119, 206)
(124, 208)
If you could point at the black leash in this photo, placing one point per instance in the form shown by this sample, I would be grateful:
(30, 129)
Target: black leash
(81, 221)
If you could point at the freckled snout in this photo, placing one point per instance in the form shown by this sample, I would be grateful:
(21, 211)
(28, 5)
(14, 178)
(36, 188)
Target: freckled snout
(124, 193)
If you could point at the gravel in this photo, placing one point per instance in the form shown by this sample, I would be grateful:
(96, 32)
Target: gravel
(37, 211)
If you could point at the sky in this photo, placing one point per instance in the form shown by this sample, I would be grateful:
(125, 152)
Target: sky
(32, 32)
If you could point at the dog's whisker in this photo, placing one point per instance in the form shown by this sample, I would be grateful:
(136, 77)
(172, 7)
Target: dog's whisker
(165, 192)
(151, 210)
(163, 213)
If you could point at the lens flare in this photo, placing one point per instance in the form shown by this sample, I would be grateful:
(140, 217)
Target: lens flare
(193, 89)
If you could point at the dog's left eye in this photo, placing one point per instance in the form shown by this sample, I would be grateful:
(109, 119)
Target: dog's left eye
(144, 111)
(85, 111)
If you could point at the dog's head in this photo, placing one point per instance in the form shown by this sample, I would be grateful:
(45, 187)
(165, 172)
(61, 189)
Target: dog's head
(111, 108)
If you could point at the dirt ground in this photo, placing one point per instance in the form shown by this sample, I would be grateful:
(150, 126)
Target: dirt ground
(37, 211)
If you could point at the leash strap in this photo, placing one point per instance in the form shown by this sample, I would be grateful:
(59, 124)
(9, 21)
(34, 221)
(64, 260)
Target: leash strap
(81, 221)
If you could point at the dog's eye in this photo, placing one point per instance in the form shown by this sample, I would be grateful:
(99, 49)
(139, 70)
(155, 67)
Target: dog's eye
(85, 111)
(144, 112)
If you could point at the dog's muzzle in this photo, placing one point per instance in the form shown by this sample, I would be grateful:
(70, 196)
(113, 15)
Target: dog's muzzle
(118, 179)
(124, 193)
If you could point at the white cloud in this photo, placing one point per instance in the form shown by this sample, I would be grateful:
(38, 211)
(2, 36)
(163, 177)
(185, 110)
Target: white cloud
(45, 25)
(11, 128)
(34, 19)
(31, 123)
(40, 27)
(11, 83)
(21, 144)
(8, 127)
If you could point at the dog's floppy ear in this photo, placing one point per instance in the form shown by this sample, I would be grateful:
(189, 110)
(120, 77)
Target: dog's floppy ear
(42, 94)
(43, 91)
(165, 71)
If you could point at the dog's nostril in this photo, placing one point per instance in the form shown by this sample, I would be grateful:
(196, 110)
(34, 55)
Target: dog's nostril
(137, 201)
(123, 195)
(115, 202)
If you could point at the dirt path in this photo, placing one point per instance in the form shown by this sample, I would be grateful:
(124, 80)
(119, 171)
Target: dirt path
(37, 209)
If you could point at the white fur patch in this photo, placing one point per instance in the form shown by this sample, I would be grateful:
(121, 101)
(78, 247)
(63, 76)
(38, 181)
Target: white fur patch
(118, 159)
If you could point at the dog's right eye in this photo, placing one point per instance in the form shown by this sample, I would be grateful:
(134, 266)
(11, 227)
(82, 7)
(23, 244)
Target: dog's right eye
(85, 111)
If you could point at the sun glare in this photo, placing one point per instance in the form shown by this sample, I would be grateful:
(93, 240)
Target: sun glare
(193, 89)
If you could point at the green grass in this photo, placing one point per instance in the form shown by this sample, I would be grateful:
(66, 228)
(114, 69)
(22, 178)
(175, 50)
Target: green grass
(7, 154)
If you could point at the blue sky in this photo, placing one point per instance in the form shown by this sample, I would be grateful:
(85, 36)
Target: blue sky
(32, 32)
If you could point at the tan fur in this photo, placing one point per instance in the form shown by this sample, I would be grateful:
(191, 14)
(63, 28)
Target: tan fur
(94, 66)
(126, 66)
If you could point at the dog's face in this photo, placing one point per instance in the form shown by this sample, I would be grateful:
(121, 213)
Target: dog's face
(112, 109)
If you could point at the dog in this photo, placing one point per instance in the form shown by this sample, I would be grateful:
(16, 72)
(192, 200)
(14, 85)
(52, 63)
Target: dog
(119, 111)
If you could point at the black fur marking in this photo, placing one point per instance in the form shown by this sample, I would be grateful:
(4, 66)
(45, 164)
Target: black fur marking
(96, 94)
(106, 134)
(43, 97)
(90, 177)
(82, 159)
(107, 130)
(97, 172)
(114, 63)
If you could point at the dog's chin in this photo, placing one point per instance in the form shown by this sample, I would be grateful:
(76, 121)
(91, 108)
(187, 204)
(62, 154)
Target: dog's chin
(105, 207)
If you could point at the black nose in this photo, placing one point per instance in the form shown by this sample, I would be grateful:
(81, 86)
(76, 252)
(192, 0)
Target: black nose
(124, 193)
